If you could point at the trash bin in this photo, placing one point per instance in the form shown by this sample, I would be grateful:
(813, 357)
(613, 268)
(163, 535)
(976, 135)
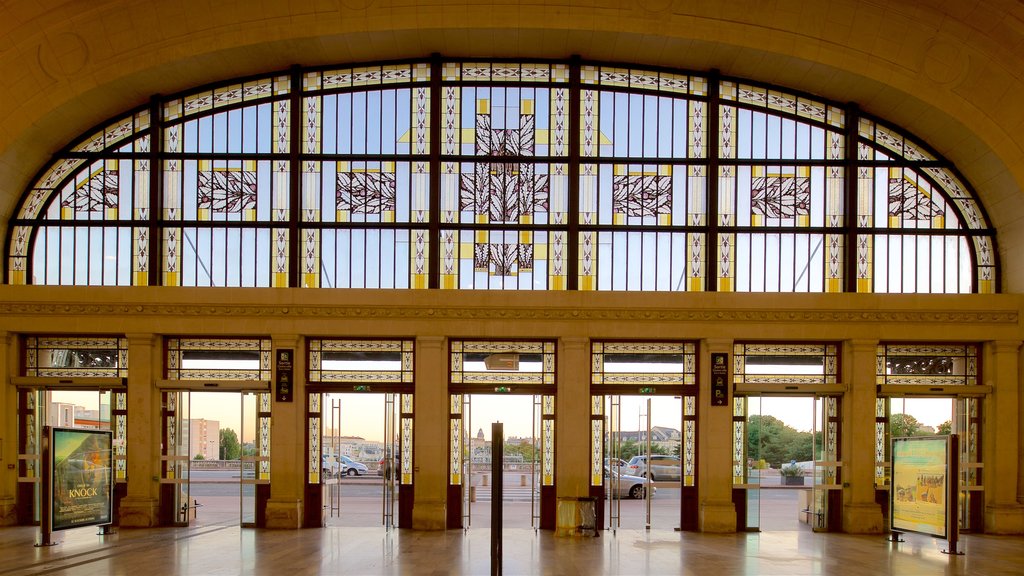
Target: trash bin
(576, 517)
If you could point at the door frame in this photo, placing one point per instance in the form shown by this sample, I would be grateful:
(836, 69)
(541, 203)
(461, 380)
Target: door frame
(831, 519)
(168, 511)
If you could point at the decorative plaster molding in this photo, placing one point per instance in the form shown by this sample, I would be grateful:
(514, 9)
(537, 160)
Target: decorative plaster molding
(505, 313)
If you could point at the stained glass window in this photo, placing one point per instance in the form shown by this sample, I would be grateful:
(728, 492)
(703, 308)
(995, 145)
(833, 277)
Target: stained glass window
(785, 363)
(457, 174)
(361, 362)
(928, 364)
(502, 364)
(218, 359)
(75, 357)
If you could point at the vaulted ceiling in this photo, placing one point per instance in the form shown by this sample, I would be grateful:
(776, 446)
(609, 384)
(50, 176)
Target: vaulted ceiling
(950, 71)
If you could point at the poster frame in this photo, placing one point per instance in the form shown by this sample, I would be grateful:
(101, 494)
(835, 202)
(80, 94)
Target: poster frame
(949, 470)
(52, 519)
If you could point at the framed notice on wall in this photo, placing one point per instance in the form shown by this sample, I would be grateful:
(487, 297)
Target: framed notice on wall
(81, 481)
(923, 480)
(283, 383)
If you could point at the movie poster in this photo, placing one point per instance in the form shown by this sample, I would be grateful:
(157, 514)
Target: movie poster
(82, 487)
(919, 485)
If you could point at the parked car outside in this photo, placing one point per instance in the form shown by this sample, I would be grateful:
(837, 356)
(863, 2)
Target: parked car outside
(384, 469)
(614, 462)
(663, 467)
(350, 467)
(330, 466)
(629, 486)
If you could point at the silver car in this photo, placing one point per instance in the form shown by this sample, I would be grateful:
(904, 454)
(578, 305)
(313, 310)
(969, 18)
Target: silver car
(663, 467)
(629, 486)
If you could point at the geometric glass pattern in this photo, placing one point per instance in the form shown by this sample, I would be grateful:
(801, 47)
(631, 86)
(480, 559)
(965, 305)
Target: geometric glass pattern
(75, 357)
(644, 363)
(406, 439)
(219, 359)
(502, 364)
(882, 476)
(452, 174)
(360, 362)
(314, 411)
(928, 364)
(739, 440)
(785, 363)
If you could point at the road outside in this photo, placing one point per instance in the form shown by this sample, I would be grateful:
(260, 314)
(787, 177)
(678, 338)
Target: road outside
(218, 498)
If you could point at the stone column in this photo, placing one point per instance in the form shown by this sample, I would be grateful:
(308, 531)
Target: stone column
(430, 435)
(287, 440)
(1001, 440)
(572, 419)
(714, 448)
(8, 430)
(861, 514)
(140, 507)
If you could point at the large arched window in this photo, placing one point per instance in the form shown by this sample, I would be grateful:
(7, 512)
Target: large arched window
(455, 174)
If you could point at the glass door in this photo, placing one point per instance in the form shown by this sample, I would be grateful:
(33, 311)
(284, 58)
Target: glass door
(827, 486)
(466, 461)
(392, 463)
(249, 458)
(179, 508)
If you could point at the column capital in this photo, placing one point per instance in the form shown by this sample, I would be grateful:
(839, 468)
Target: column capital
(1005, 346)
(285, 340)
(718, 344)
(141, 338)
(574, 343)
(430, 342)
(863, 345)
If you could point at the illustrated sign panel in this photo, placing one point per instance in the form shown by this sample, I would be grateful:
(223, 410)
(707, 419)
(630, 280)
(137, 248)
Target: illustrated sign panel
(82, 487)
(918, 497)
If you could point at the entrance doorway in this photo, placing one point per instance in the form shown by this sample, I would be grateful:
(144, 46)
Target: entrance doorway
(360, 455)
(927, 415)
(520, 478)
(791, 462)
(512, 382)
(215, 462)
(643, 434)
(643, 457)
(84, 408)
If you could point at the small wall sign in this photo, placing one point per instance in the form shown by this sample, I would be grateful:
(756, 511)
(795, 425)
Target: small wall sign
(719, 379)
(284, 383)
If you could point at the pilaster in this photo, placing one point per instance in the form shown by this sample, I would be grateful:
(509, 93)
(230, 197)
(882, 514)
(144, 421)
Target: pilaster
(1001, 439)
(288, 441)
(714, 449)
(861, 514)
(430, 435)
(572, 422)
(8, 430)
(139, 508)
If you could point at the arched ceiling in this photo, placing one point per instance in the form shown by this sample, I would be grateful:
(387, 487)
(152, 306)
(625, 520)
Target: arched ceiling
(951, 71)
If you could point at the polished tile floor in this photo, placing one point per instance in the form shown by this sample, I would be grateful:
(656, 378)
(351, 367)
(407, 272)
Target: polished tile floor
(221, 549)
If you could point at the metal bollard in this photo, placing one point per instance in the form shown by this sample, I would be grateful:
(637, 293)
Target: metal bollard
(522, 479)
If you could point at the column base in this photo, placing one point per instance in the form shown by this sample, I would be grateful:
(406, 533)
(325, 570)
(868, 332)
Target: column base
(284, 514)
(429, 515)
(8, 511)
(1004, 519)
(139, 513)
(863, 519)
(717, 517)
